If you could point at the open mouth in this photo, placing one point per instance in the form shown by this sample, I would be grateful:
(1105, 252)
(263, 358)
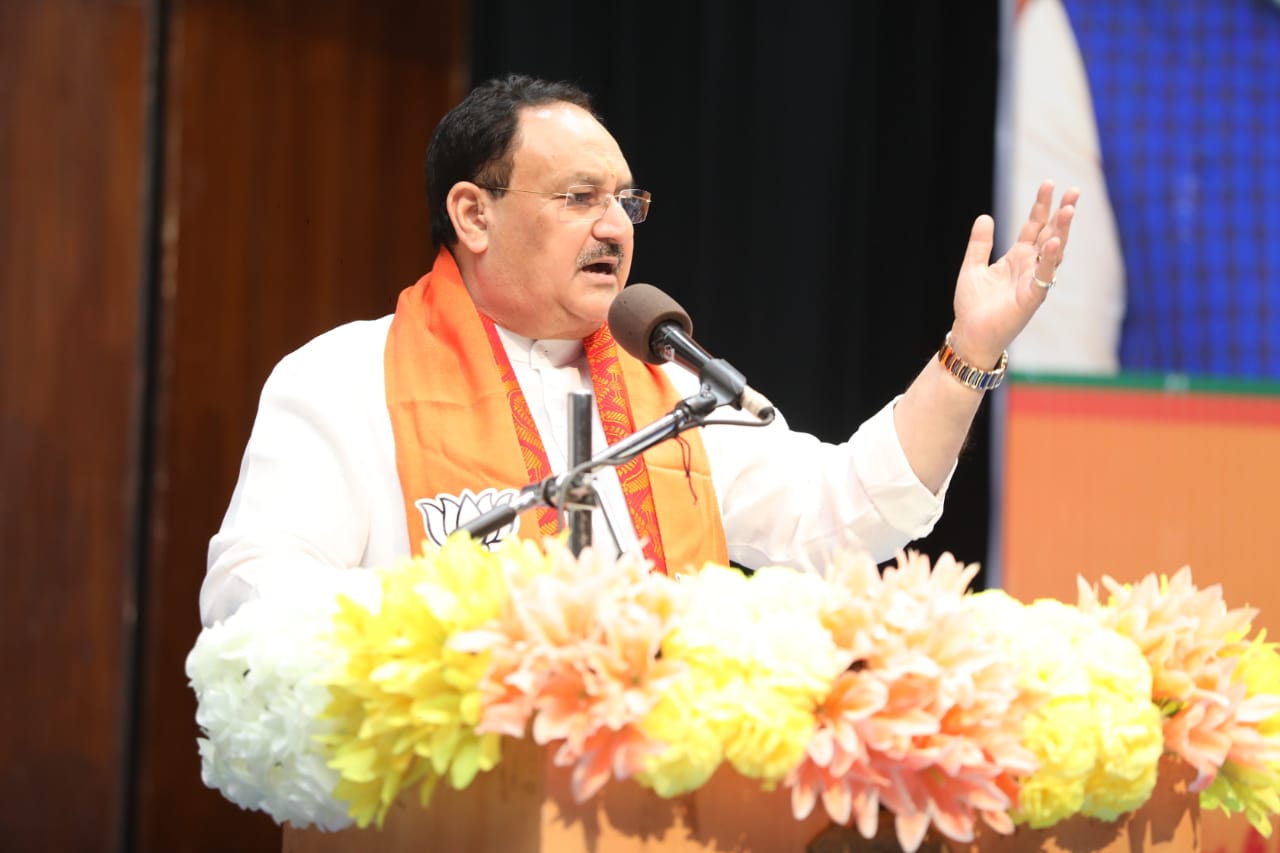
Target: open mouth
(605, 266)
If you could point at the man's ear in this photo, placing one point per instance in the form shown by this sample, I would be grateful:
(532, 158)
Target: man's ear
(468, 207)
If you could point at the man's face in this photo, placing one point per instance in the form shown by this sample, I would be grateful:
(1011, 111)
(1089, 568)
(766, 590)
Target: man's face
(543, 274)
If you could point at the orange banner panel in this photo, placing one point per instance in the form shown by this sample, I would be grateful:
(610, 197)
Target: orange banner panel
(1122, 482)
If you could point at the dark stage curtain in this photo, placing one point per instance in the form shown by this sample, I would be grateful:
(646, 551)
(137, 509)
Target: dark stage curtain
(815, 168)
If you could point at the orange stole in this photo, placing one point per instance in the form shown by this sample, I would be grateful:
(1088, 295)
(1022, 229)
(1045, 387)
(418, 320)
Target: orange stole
(679, 477)
(451, 416)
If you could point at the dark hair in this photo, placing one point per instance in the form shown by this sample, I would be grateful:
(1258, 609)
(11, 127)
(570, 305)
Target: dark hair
(473, 141)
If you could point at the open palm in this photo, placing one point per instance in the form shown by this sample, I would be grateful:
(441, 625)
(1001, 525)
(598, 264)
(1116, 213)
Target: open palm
(994, 301)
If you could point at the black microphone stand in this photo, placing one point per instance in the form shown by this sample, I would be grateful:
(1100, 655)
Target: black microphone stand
(578, 514)
(572, 490)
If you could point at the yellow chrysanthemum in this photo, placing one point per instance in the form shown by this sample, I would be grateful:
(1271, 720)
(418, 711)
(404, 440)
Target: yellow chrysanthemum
(1130, 746)
(1097, 738)
(1066, 754)
(775, 724)
(694, 728)
(759, 663)
(405, 704)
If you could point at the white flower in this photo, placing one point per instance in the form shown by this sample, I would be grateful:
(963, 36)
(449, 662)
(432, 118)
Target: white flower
(255, 677)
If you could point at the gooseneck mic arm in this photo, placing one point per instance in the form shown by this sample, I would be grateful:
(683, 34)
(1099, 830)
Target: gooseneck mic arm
(653, 327)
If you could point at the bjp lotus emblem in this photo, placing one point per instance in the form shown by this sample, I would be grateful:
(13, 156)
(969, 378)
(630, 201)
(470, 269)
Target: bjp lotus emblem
(444, 514)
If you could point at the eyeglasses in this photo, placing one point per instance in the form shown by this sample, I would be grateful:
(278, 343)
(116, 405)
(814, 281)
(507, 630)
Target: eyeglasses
(584, 201)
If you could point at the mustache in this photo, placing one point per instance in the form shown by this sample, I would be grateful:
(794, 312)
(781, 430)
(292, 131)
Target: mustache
(604, 250)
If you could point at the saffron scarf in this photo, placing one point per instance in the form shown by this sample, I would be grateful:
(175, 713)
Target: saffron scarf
(465, 438)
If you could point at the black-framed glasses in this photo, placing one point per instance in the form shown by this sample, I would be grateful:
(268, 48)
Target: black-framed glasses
(585, 201)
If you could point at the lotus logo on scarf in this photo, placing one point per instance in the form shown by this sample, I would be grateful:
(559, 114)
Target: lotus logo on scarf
(444, 514)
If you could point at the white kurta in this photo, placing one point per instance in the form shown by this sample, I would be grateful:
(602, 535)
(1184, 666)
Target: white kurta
(318, 488)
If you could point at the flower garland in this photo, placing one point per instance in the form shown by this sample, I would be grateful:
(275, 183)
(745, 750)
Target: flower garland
(865, 691)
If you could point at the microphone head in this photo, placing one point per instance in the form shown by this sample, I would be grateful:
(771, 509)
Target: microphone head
(637, 312)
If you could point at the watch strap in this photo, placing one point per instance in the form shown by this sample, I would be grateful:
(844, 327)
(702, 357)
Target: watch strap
(968, 375)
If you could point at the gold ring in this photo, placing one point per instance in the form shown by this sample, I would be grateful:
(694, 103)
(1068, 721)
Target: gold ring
(1044, 285)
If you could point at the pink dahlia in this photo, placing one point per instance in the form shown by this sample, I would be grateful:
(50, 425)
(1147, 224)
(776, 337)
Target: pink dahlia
(927, 721)
(575, 655)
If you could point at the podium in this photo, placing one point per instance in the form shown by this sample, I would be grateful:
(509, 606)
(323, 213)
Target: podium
(524, 806)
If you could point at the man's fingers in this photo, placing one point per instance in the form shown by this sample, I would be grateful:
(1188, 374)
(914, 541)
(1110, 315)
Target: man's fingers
(1052, 240)
(1066, 215)
(1047, 261)
(1039, 215)
(981, 239)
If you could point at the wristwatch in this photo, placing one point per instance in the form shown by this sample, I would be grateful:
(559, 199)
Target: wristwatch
(968, 375)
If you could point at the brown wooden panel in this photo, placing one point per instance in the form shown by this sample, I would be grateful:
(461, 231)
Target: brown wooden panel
(72, 119)
(295, 138)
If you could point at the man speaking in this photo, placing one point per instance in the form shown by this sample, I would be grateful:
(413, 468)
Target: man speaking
(380, 434)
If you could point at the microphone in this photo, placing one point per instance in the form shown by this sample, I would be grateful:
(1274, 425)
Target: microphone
(652, 326)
